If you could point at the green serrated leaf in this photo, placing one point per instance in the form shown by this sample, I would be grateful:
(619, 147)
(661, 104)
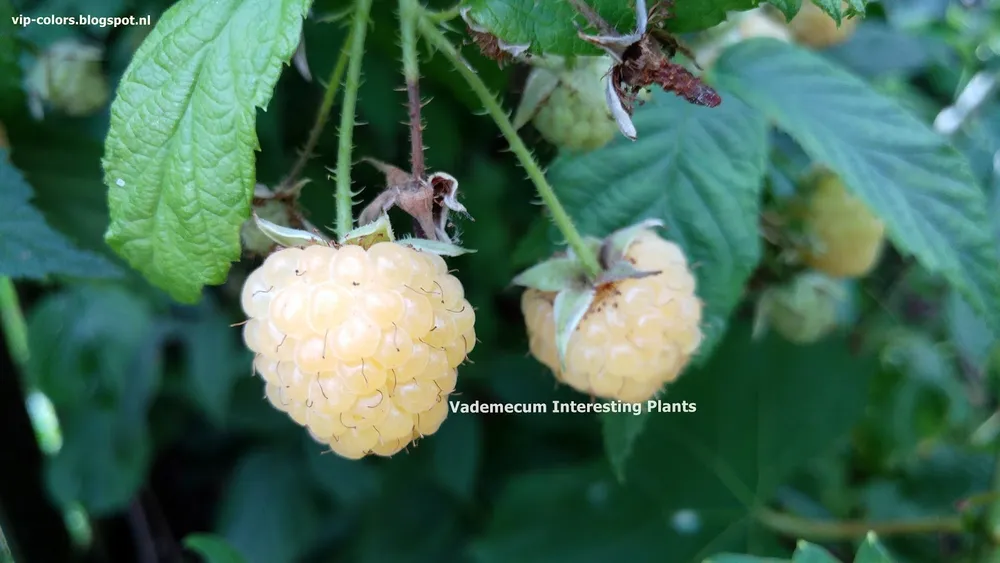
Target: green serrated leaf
(699, 170)
(551, 27)
(620, 433)
(872, 551)
(832, 8)
(213, 549)
(554, 274)
(908, 175)
(571, 304)
(806, 552)
(788, 7)
(179, 156)
(11, 92)
(29, 247)
(457, 455)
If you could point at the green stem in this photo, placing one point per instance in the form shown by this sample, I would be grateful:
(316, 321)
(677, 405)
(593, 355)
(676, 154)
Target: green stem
(15, 328)
(332, 85)
(444, 15)
(559, 216)
(819, 530)
(345, 218)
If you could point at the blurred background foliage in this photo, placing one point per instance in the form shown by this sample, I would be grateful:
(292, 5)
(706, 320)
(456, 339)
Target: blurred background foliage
(149, 426)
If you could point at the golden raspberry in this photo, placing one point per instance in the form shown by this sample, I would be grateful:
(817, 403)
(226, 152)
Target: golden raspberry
(847, 238)
(359, 346)
(815, 28)
(637, 335)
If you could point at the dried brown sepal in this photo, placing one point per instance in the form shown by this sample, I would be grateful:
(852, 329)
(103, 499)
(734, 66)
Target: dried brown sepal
(490, 45)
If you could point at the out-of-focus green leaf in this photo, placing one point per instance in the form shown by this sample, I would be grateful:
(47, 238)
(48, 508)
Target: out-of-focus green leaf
(11, 93)
(179, 157)
(351, 482)
(737, 558)
(213, 548)
(457, 453)
(872, 551)
(910, 176)
(269, 513)
(806, 552)
(29, 247)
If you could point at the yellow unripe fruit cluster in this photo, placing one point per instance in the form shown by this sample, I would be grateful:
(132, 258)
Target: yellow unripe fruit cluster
(638, 335)
(848, 238)
(359, 346)
(815, 28)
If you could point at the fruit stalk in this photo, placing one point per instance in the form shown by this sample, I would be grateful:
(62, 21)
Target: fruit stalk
(559, 216)
(14, 327)
(345, 220)
(409, 13)
(332, 85)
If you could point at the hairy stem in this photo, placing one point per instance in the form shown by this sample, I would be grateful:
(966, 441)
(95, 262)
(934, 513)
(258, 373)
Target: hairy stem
(332, 85)
(559, 216)
(820, 530)
(409, 14)
(444, 15)
(15, 329)
(345, 219)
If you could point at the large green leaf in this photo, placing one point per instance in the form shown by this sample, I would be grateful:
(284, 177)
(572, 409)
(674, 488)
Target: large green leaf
(550, 27)
(872, 551)
(29, 247)
(764, 408)
(910, 176)
(807, 552)
(699, 170)
(179, 157)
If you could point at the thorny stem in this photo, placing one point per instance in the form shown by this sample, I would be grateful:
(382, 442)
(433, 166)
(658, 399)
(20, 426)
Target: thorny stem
(345, 219)
(333, 83)
(443, 15)
(819, 530)
(559, 215)
(409, 13)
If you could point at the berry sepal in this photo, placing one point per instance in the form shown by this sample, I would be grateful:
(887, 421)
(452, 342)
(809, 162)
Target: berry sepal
(438, 247)
(287, 236)
(554, 274)
(569, 308)
(365, 236)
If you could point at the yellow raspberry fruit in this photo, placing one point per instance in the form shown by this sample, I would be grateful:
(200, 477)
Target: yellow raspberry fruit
(847, 239)
(815, 28)
(637, 335)
(359, 346)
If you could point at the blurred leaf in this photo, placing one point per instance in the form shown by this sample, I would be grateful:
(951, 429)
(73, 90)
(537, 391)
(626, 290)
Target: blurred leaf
(212, 548)
(736, 558)
(871, 551)
(103, 335)
(620, 433)
(269, 512)
(11, 93)
(351, 482)
(789, 8)
(806, 552)
(876, 49)
(910, 176)
(29, 247)
(104, 458)
(699, 170)
(216, 358)
(179, 189)
(456, 454)
(577, 515)
(764, 408)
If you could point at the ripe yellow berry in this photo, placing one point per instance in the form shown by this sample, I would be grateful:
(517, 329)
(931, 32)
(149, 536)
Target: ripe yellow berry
(360, 346)
(637, 335)
(815, 28)
(847, 238)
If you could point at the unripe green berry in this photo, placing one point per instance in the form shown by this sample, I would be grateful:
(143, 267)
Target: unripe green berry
(69, 77)
(804, 310)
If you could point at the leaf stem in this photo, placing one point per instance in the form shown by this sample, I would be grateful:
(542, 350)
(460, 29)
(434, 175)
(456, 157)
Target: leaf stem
(443, 15)
(409, 14)
(559, 216)
(15, 329)
(345, 218)
(332, 85)
(819, 530)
